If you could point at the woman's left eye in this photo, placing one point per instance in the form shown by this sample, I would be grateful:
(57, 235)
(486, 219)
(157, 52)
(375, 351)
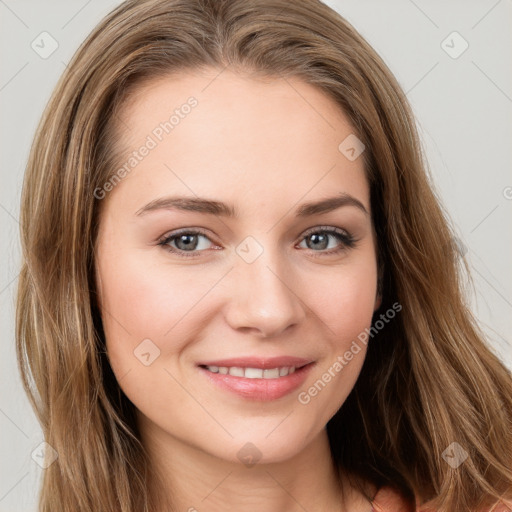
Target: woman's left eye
(319, 238)
(187, 241)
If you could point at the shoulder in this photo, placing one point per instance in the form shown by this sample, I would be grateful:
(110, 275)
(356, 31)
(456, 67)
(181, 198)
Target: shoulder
(388, 499)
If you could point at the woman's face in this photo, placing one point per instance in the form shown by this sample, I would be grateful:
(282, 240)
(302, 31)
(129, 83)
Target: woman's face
(203, 330)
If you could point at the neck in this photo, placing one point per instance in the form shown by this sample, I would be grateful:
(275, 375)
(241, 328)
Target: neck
(195, 481)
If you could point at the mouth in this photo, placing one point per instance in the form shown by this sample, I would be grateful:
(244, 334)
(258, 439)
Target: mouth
(256, 378)
(252, 373)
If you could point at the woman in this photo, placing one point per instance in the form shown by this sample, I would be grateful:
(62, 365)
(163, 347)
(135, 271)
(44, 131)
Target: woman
(193, 161)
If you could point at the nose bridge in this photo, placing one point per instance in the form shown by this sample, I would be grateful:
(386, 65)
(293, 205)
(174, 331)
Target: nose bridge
(263, 295)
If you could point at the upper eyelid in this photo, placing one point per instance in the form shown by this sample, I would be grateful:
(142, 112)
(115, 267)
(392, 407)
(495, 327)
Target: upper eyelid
(184, 231)
(326, 229)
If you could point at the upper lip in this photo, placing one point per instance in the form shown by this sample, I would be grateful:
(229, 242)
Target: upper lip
(258, 362)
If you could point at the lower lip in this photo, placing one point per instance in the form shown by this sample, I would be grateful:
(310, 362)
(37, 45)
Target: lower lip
(259, 389)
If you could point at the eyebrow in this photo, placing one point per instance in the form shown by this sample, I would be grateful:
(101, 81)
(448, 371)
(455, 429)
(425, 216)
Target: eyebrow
(212, 207)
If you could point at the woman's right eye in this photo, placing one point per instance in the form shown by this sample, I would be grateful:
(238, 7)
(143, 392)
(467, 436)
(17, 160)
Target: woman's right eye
(185, 241)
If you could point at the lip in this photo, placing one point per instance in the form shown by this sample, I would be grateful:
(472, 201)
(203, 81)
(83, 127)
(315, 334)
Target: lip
(259, 389)
(266, 363)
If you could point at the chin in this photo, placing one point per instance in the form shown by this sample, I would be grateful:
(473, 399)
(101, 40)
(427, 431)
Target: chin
(250, 447)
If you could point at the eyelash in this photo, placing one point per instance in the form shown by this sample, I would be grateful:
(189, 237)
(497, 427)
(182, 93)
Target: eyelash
(346, 239)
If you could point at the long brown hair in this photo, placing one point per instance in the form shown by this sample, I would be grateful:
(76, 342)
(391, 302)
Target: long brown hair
(429, 378)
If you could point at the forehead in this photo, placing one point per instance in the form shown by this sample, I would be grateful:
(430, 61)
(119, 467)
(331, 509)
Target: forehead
(218, 133)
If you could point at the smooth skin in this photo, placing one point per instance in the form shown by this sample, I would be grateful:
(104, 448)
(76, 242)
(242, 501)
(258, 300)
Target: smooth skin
(265, 147)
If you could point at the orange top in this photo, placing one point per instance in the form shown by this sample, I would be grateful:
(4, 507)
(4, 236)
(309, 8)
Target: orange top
(389, 500)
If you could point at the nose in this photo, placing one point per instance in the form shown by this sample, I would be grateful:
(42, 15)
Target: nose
(264, 297)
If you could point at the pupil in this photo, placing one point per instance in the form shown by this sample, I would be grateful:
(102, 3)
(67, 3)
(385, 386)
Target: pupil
(317, 237)
(186, 240)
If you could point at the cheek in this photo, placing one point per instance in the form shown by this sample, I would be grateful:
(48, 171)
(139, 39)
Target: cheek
(346, 307)
(345, 300)
(143, 301)
(149, 317)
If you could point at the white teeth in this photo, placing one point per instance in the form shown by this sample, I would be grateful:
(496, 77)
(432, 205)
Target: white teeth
(271, 374)
(236, 372)
(253, 373)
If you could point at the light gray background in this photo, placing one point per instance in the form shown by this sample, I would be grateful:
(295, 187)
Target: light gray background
(463, 106)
